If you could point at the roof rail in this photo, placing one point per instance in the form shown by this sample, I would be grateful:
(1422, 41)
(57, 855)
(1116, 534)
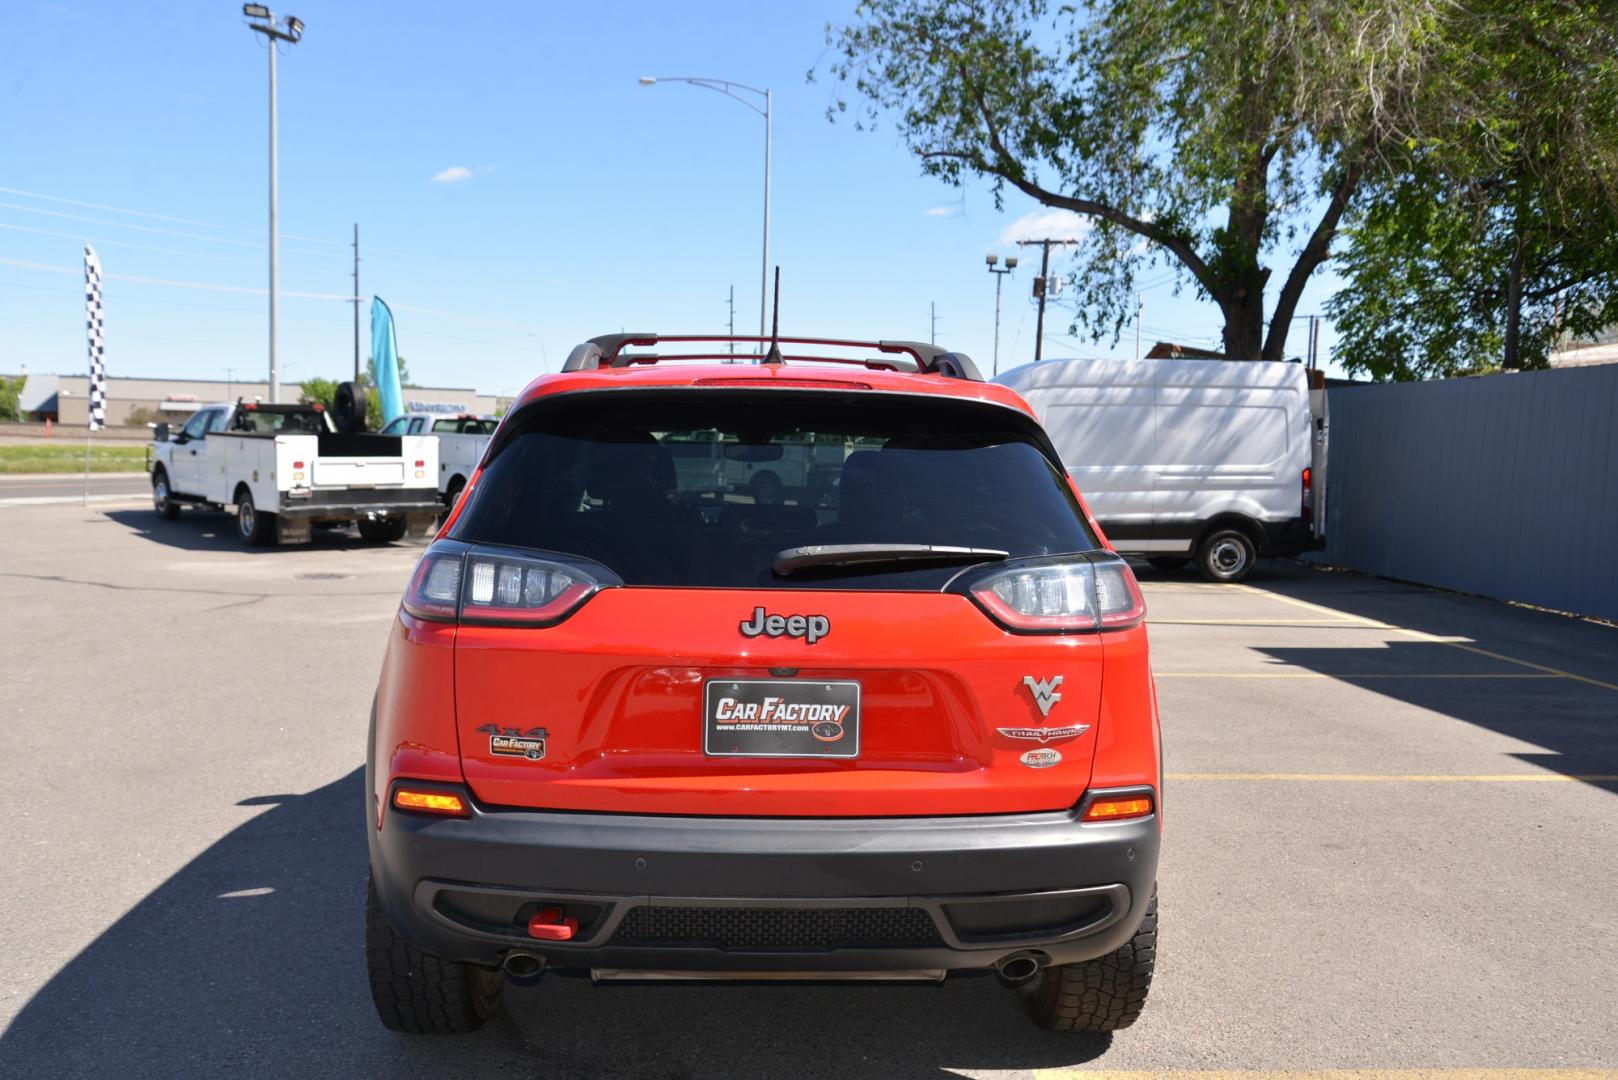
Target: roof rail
(608, 351)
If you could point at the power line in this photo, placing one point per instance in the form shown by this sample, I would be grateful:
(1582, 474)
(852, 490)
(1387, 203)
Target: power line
(125, 244)
(253, 245)
(155, 217)
(139, 280)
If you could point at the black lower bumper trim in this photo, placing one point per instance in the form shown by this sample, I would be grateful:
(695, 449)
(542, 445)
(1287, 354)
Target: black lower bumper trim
(717, 894)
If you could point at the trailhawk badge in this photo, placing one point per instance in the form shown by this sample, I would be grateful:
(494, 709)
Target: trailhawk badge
(1044, 734)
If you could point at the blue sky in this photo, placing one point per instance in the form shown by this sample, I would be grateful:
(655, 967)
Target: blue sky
(589, 204)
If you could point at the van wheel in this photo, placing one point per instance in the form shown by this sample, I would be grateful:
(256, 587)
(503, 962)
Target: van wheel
(421, 994)
(1169, 564)
(1226, 555)
(162, 498)
(254, 527)
(1106, 994)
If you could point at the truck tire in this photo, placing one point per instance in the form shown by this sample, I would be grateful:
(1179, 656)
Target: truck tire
(385, 531)
(1105, 994)
(255, 528)
(421, 994)
(163, 498)
(453, 491)
(1226, 555)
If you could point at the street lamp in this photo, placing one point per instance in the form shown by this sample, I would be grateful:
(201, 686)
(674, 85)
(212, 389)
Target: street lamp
(729, 89)
(999, 279)
(289, 30)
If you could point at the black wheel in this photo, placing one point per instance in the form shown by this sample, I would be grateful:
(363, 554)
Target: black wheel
(1226, 555)
(453, 491)
(254, 527)
(1169, 564)
(162, 498)
(422, 994)
(382, 531)
(1106, 994)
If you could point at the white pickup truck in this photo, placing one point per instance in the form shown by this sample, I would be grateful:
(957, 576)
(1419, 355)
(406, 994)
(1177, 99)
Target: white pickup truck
(285, 468)
(462, 438)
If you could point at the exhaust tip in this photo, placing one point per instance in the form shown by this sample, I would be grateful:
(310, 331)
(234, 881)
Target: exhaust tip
(1020, 967)
(523, 965)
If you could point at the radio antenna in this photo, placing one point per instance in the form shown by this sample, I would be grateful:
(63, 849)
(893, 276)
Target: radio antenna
(774, 355)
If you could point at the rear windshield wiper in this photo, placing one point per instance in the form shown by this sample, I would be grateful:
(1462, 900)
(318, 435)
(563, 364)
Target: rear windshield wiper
(826, 556)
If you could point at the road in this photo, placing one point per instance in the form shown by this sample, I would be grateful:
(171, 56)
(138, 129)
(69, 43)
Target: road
(43, 489)
(1390, 832)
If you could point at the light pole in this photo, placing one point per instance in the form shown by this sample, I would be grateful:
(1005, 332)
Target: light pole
(289, 30)
(999, 279)
(729, 89)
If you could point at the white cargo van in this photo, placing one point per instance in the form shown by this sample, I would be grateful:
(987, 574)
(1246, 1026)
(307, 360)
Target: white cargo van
(1216, 461)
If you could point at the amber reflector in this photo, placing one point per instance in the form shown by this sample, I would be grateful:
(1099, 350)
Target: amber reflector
(1114, 808)
(429, 802)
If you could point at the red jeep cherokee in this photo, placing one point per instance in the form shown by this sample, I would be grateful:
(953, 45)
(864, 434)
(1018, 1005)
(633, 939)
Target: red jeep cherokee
(805, 667)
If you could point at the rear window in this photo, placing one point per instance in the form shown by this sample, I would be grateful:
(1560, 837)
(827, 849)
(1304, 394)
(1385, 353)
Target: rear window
(703, 489)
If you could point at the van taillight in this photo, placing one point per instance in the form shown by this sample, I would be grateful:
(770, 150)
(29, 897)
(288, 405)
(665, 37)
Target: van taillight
(1307, 507)
(1074, 594)
(499, 587)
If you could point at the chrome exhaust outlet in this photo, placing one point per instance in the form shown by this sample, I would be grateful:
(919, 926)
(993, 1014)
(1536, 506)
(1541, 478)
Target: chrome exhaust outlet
(1020, 967)
(523, 965)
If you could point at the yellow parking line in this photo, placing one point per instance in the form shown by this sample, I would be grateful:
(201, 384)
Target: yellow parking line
(1407, 778)
(1422, 635)
(1080, 1073)
(1346, 678)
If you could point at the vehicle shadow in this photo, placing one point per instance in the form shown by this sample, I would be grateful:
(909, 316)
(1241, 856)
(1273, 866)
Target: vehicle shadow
(249, 961)
(212, 530)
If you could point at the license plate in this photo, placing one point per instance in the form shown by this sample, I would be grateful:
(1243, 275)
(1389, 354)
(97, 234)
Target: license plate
(796, 718)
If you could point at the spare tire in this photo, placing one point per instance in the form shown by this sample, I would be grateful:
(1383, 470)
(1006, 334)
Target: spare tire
(348, 408)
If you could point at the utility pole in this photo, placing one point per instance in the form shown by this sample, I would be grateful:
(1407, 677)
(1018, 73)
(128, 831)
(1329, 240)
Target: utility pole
(356, 301)
(932, 335)
(1138, 307)
(733, 319)
(289, 30)
(999, 279)
(1314, 342)
(1042, 287)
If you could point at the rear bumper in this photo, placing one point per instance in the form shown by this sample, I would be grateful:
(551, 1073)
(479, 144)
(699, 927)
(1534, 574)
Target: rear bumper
(350, 502)
(766, 894)
(1284, 539)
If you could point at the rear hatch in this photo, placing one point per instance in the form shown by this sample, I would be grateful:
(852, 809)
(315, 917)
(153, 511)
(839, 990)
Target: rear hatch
(651, 637)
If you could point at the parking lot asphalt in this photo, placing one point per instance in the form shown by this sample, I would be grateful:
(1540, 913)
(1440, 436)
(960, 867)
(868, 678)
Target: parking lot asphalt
(1391, 820)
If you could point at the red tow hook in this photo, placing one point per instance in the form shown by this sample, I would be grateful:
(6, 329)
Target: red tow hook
(547, 924)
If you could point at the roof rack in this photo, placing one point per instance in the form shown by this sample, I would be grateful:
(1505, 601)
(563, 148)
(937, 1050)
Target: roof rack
(607, 351)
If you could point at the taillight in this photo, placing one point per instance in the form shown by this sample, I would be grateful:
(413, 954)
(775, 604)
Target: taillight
(1307, 507)
(1071, 594)
(500, 587)
(429, 801)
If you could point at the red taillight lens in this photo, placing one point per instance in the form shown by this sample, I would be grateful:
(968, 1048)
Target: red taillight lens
(1307, 507)
(498, 587)
(1068, 595)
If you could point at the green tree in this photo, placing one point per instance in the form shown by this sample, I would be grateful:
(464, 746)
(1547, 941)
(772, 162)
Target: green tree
(1216, 137)
(319, 392)
(1498, 237)
(10, 396)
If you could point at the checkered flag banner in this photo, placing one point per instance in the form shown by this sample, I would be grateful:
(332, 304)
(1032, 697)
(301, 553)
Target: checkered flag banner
(92, 316)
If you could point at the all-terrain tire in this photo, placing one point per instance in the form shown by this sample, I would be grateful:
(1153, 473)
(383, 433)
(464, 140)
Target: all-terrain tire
(421, 994)
(163, 495)
(1106, 994)
(385, 531)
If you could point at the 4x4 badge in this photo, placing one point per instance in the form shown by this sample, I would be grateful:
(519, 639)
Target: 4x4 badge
(1044, 691)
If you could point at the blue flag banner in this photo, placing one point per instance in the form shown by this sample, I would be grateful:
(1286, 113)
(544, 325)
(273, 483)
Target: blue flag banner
(385, 356)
